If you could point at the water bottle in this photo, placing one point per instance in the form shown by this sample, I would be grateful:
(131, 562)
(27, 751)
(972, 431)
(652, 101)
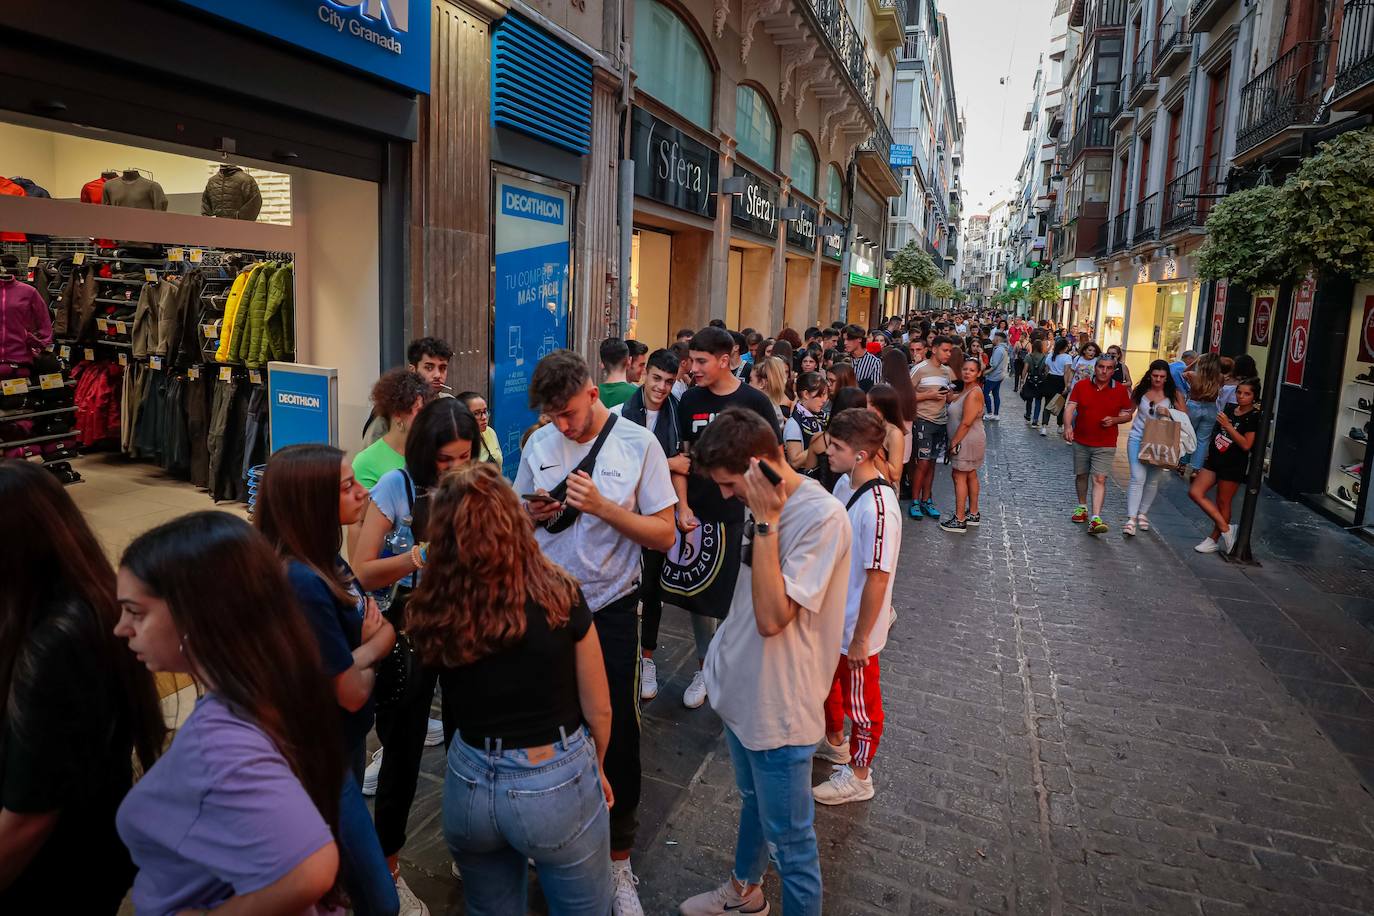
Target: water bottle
(397, 543)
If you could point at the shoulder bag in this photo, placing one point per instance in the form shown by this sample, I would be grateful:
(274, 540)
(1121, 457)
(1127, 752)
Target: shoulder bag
(563, 520)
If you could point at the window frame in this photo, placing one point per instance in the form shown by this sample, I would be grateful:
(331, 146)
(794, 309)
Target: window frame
(792, 163)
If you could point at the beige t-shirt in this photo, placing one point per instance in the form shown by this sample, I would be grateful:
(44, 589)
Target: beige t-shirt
(771, 691)
(927, 377)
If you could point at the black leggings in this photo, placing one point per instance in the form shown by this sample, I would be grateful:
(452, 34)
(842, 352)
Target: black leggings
(617, 627)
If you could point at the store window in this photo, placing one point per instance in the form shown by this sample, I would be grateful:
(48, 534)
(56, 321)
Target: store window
(755, 127)
(803, 165)
(671, 65)
(834, 188)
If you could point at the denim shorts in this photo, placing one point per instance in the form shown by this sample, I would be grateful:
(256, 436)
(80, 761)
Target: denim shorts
(932, 440)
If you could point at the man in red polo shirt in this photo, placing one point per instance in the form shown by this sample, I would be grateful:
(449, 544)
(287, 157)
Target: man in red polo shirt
(1097, 407)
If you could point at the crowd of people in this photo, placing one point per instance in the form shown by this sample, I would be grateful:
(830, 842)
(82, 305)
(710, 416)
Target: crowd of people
(756, 484)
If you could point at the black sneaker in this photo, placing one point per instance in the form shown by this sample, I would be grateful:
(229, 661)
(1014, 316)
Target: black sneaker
(973, 519)
(1358, 434)
(953, 526)
(1364, 404)
(1365, 376)
(1343, 493)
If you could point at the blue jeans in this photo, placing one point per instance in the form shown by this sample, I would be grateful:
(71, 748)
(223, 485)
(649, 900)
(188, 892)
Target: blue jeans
(992, 394)
(1203, 415)
(365, 873)
(1033, 407)
(500, 809)
(777, 821)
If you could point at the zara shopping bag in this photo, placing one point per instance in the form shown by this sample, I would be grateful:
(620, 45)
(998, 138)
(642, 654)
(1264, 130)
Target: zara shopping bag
(1161, 444)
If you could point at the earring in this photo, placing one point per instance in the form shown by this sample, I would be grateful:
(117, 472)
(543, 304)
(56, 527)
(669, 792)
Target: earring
(181, 646)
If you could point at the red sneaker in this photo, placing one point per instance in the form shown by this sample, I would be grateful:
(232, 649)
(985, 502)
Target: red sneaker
(1080, 514)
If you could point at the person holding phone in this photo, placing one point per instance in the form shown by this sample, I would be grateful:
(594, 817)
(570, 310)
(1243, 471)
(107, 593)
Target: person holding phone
(601, 491)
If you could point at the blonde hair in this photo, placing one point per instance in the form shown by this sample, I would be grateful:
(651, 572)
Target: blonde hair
(774, 379)
(1206, 378)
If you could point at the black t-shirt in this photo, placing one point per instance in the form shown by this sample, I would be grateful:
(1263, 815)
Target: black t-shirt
(697, 408)
(71, 752)
(522, 692)
(1226, 457)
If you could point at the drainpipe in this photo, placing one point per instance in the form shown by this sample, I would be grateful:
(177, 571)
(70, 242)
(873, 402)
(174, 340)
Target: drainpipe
(848, 242)
(626, 170)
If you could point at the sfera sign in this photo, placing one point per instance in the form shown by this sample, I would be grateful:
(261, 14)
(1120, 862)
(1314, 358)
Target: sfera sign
(801, 232)
(671, 167)
(756, 207)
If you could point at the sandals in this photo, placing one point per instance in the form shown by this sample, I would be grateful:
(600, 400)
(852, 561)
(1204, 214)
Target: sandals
(1143, 522)
(1128, 529)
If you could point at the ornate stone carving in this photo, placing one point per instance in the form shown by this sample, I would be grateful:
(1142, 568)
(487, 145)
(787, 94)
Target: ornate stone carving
(806, 76)
(793, 56)
(722, 12)
(754, 12)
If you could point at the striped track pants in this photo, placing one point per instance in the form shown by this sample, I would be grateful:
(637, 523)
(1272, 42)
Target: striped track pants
(857, 694)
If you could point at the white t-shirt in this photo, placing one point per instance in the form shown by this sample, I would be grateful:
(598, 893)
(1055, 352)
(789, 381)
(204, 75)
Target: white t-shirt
(1056, 365)
(650, 416)
(678, 388)
(631, 471)
(771, 691)
(875, 520)
(1082, 368)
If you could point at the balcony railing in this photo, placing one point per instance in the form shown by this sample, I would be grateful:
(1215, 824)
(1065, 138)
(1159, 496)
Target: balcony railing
(1203, 13)
(1104, 14)
(1287, 93)
(846, 41)
(1146, 219)
(899, 6)
(1104, 234)
(1189, 197)
(1142, 77)
(1355, 59)
(1120, 223)
(1171, 35)
(881, 143)
(915, 47)
(1096, 132)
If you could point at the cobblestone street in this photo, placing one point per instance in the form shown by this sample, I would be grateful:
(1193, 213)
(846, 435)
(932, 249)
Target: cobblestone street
(1074, 724)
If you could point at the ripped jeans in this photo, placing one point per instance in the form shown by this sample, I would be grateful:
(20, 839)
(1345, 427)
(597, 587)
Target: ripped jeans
(777, 821)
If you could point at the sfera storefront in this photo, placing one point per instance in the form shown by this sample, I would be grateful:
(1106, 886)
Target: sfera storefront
(183, 236)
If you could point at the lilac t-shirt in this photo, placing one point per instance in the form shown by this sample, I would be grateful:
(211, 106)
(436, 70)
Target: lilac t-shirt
(220, 814)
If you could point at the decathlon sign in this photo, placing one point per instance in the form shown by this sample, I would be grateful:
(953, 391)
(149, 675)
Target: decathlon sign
(387, 38)
(302, 404)
(531, 205)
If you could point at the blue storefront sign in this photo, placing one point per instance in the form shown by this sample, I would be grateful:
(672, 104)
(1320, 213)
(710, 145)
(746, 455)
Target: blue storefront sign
(533, 245)
(899, 154)
(303, 404)
(387, 38)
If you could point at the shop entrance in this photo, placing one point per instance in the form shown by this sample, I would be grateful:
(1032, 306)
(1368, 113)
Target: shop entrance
(861, 306)
(1171, 315)
(827, 305)
(734, 292)
(651, 259)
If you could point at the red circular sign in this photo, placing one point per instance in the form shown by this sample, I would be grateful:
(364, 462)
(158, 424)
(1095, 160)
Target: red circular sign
(1264, 308)
(1297, 346)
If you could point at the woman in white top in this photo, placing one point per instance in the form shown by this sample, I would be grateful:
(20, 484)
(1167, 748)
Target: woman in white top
(1082, 365)
(1153, 397)
(1058, 368)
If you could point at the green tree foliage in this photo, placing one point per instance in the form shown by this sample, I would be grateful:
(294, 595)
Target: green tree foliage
(1044, 288)
(912, 267)
(1326, 211)
(942, 289)
(1248, 240)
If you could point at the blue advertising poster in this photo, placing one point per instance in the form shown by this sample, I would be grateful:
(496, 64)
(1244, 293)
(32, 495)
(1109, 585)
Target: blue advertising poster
(533, 259)
(302, 405)
(387, 38)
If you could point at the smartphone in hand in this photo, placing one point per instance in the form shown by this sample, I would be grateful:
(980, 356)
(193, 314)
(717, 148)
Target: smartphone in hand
(773, 477)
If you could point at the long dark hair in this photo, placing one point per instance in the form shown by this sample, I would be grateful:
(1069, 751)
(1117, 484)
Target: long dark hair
(298, 510)
(882, 397)
(844, 375)
(442, 421)
(484, 567)
(846, 398)
(57, 574)
(1144, 385)
(897, 373)
(230, 601)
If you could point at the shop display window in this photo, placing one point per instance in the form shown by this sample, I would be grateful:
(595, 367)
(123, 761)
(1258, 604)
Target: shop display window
(1348, 473)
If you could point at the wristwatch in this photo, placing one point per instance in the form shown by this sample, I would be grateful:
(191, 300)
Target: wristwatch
(763, 529)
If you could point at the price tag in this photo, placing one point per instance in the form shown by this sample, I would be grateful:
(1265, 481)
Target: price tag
(155, 362)
(64, 351)
(120, 327)
(193, 373)
(33, 261)
(197, 255)
(14, 386)
(124, 359)
(50, 380)
(226, 373)
(28, 278)
(35, 457)
(89, 354)
(211, 331)
(254, 377)
(79, 258)
(176, 254)
(150, 275)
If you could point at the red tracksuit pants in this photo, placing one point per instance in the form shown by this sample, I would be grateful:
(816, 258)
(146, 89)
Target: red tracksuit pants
(856, 693)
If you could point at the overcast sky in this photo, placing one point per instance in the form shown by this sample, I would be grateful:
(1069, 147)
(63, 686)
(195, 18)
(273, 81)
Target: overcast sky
(991, 40)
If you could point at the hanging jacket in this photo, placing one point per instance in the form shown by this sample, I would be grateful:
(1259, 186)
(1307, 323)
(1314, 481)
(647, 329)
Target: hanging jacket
(11, 189)
(230, 338)
(251, 322)
(25, 324)
(231, 308)
(144, 335)
(231, 193)
(278, 339)
(30, 188)
(183, 340)
(81, 303)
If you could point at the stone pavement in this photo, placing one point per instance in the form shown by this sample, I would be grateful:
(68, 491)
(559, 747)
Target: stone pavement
(1074, 724)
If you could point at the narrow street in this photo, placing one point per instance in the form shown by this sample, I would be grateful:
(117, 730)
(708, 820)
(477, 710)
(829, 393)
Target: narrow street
(1074, 724)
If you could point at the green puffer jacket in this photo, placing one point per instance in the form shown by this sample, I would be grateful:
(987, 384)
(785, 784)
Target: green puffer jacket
(240, 331)
(251, 316)
(278, 337)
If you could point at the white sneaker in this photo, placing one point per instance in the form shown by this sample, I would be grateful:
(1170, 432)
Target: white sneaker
(374, 769)
(626, 900)
(695, 694)
(832, 754)
(410, 904)
(1228, 538)
(726, 901)
(648, 679)
(843, 786)
(1044, 430)
(434, 734)
(1207, 545)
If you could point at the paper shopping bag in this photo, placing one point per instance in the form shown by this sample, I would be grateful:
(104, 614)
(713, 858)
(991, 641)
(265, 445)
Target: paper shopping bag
(1161, 444)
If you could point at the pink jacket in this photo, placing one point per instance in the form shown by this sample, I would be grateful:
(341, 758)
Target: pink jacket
(25, 323)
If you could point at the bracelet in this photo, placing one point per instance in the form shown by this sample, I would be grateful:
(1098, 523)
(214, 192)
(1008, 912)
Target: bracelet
(415, 557)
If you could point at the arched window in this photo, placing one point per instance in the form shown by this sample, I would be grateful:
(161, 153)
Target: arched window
(755, 127)
(670, 63)
(834, 188)
(803, 168)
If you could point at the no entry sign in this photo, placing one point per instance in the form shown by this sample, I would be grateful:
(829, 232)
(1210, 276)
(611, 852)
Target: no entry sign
(1299, 336)
(1264, 315)
(1218, 315)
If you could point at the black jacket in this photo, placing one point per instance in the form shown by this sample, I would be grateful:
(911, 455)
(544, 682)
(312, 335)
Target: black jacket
(231, 193)
(665, 430)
